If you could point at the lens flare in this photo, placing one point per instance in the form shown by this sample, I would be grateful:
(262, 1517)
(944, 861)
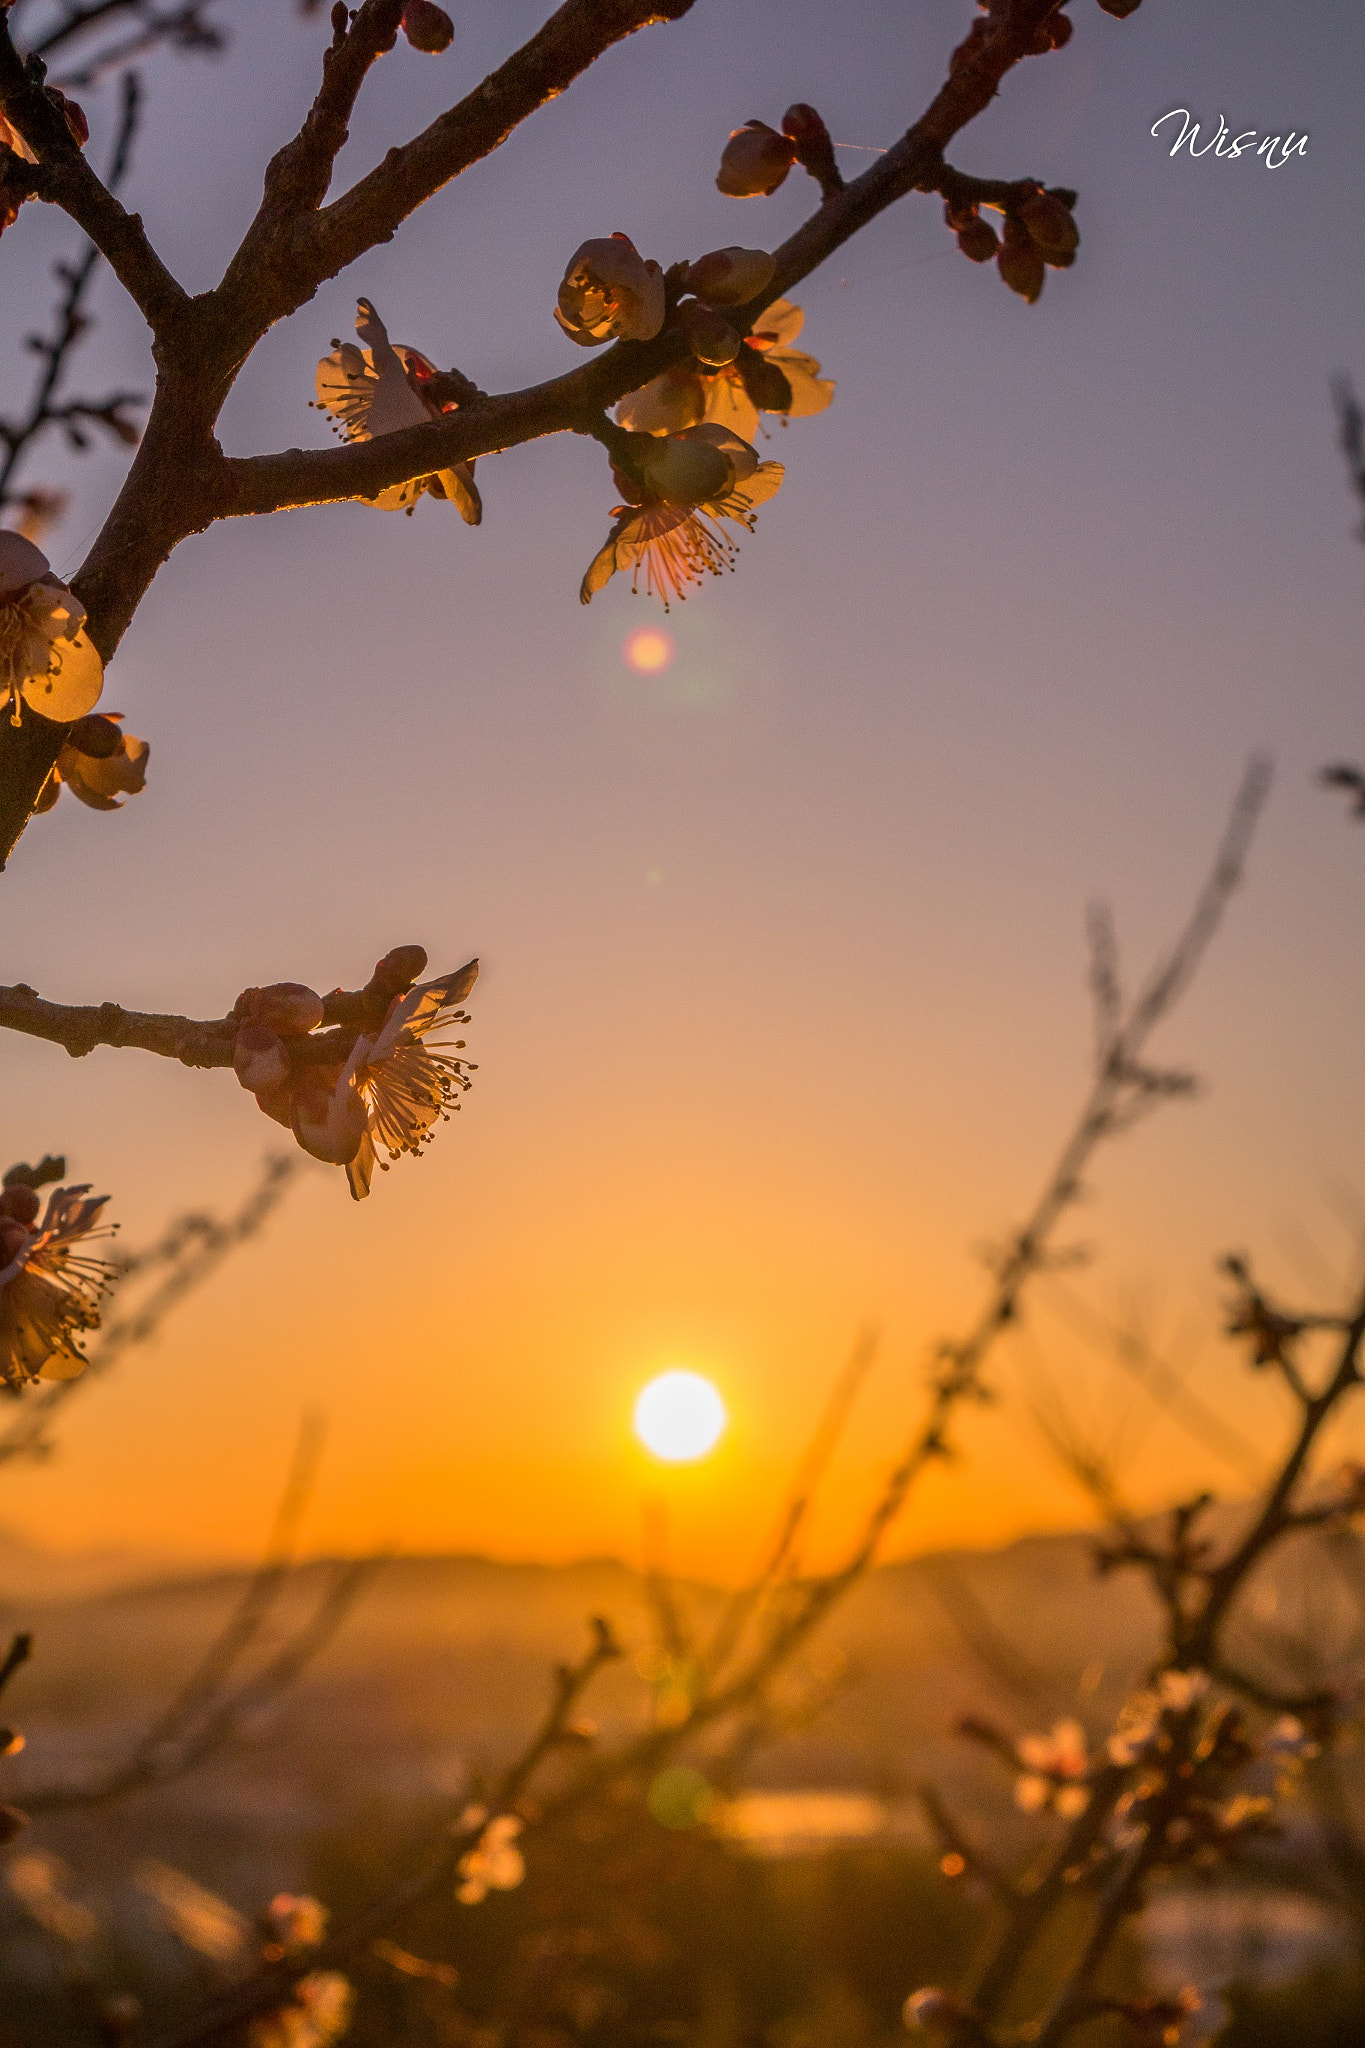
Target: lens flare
(679, 1417)
(649, 650)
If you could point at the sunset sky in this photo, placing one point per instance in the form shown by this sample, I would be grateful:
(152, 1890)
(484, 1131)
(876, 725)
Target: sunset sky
(782, 1014)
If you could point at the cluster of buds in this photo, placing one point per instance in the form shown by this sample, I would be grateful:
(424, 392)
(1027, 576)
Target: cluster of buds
(368, 1084)
(71, 112)
(716, 282)
(757, 158)
(100, 763)
(15, 184)
(1039, 234)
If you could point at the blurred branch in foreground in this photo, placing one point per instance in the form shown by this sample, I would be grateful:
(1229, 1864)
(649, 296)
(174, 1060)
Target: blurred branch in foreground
(707, 1696)
(1189, 1776)
(210, 1707)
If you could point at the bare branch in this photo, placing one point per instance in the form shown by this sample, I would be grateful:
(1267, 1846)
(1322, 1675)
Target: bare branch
(67, 180)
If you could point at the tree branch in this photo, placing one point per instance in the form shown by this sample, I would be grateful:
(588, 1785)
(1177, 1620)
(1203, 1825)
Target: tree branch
(195, 1042)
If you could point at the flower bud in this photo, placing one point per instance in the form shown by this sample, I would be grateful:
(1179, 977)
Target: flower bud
(931, 2007)
(1120, 9)
(1020, 261)
(73, 115)
(286, 1006)
(260, 1058)
(731, 277)
(710, 336)
(1050, 225)
(810, 139)
(398, 970)
(683, 471)
(95, 735)
(975, 237)
(754, 161)
(14, 1239)
(428, 27)
(328, 1120)
(20, 1203)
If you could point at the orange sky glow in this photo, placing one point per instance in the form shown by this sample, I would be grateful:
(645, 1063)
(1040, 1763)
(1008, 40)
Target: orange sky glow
(782, 1015)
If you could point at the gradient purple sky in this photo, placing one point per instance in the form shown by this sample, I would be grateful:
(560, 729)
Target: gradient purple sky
(782, 1014)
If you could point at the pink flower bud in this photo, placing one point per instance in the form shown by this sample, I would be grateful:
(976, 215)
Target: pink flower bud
(731, 277)
(21, 1203)
(286, 1006)
(428, 27)
(398, 970)
(754, 161)
(260, 1058)
(329, 1119)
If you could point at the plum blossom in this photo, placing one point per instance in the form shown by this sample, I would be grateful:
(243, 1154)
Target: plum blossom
(392, 1091)
(46, 659)
(494, 1864)
(672, 530)
(610, 293)
(766, 375)
(318, 2012)
(378, 389)
(293, 1921)
(99, 764)
(1055, 1768)
(50, 1285)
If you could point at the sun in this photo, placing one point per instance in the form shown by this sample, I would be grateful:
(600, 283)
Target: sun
(679, 1417)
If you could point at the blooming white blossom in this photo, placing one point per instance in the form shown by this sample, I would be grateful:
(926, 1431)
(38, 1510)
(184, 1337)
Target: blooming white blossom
(610, 293)
(50, 1288)
(378, 389)
(46, 659)
(767, 375)
(698, 479)
(494, 1864)
(1055, 1766)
